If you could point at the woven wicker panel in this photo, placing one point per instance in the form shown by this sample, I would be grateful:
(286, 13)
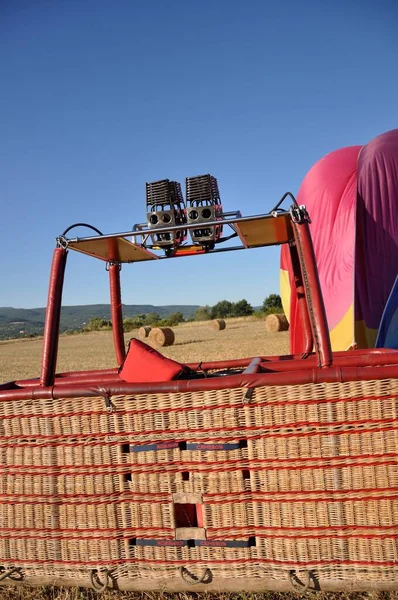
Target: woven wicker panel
(311, 477)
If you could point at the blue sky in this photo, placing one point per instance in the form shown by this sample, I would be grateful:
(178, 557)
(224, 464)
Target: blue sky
(98, 97)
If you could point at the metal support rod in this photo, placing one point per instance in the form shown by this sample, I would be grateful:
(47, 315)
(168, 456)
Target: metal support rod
(116, 312)
(157, 230)
(53, 314)
(313, 294)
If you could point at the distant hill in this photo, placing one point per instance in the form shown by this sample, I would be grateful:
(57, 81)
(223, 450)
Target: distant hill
(23, 322)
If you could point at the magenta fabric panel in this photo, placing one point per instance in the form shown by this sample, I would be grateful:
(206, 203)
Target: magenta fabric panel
(329, 193)
(376, 259)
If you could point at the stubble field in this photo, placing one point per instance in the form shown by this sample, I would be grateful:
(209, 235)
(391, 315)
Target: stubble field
(20, 359)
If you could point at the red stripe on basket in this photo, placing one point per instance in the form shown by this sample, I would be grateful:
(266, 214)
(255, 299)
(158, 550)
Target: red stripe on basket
(78, 534)
(109, 538)
(211, 466)
(302, 530)
(200, 408)
(252, 498)
(262, 532)
(240, 429)
(82, 500)
(204, 562)
(128, 435)
(294, 425)
(304, 493)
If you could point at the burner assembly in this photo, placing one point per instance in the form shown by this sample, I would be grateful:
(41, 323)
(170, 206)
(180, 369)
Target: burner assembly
(165, 207)
(204, 206)
(169, 217)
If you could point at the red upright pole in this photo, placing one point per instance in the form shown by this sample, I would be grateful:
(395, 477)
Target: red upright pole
(313, 293)
(53, 314)
(301, 302)
(116, 312)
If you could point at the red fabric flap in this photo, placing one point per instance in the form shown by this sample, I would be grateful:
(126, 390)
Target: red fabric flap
(144, 364)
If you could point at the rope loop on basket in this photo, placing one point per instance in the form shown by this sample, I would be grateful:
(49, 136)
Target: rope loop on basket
(297, 584)
(9, 572)
(98, 585)
(193, 579)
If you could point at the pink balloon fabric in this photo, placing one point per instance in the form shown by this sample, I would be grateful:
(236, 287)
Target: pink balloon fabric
(352, 198)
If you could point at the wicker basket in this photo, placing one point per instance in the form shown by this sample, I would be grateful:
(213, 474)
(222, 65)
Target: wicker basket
(299, 485)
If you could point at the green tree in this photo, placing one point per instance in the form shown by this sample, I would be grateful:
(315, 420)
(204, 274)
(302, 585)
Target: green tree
(97, 324)
(272, 301)
(175, 318)
(152, 319)
(221, 310)
(130, 323)
(241, 308)
(203, 313)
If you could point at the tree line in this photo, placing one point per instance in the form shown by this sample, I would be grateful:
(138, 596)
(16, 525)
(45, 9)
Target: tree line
(225, 309)
(222, 310)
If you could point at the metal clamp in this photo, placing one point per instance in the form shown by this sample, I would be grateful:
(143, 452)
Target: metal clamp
(110, 263)
(299, 214)
(62, 242)
(110, 407)
(247, 398)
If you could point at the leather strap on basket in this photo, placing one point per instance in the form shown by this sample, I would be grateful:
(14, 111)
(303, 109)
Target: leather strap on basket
(10, 573)
(96, 583)
(193, 579)
(297, 584)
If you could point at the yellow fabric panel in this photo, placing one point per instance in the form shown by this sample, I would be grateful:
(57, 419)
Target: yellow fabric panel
(284, 283)
(342, 336)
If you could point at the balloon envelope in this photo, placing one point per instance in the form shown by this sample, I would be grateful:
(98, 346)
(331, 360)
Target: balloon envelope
(352, 198)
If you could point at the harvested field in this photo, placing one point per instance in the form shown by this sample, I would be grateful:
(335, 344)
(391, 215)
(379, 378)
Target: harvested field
(50, 593)
(20, 359)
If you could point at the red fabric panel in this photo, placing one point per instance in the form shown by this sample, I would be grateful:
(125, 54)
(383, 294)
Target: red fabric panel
(143, 363)
(185, 515)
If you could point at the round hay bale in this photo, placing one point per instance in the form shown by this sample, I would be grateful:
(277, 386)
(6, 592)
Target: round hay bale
(143, 332)
(161, 336)
(276, 322)
(218, 324)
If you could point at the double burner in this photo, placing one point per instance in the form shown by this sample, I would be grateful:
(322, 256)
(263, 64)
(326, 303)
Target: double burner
(203, 206)
(166, 207)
